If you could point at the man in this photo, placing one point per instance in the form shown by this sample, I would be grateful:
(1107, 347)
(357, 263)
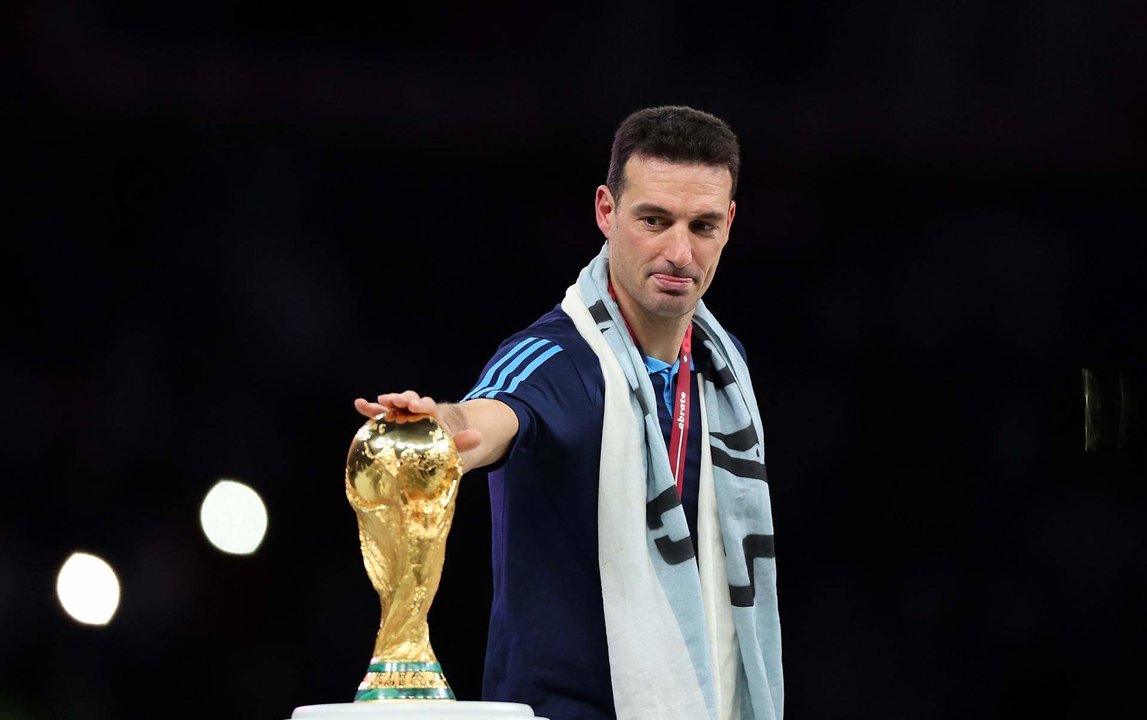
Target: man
(632, 534)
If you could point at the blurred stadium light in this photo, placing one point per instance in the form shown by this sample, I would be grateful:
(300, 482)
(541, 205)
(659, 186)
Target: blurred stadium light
(233, 517)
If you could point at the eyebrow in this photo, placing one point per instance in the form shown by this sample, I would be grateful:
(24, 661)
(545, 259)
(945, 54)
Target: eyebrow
(650, 208)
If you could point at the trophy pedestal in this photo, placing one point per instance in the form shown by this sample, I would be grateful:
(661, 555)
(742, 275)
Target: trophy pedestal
(415, 710)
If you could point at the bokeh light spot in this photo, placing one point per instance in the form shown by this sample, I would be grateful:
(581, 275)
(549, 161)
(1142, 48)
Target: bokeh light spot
(233, 517)
(88, 589)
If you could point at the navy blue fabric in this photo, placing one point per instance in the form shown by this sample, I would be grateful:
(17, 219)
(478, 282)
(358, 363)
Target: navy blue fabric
(692, 450)
(547, 642)
(668, 373)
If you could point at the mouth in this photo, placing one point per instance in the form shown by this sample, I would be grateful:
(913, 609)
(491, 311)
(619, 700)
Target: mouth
(672, 283)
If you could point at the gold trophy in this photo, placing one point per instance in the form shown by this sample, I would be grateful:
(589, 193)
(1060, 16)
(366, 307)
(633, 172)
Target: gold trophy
(401, 480)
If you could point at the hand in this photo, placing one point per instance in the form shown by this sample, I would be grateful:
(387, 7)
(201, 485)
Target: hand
(409, 406)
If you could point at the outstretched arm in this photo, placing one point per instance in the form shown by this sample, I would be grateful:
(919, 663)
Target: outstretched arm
(483, 429)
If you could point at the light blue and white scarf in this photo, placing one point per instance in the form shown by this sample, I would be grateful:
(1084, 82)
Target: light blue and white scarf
(688, 638)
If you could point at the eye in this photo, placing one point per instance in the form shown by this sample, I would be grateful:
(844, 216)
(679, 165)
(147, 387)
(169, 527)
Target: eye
(704, 228)
(652, 221)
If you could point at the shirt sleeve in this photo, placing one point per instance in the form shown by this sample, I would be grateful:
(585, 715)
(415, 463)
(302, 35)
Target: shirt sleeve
(533, 376)
(740, 348)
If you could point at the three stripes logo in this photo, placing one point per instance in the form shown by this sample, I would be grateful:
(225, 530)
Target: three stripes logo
(514, 368)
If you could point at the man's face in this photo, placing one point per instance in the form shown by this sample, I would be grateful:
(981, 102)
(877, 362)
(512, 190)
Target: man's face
(666, 232)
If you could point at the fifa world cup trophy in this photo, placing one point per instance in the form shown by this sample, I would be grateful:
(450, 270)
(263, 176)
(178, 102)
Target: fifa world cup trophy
(402, 479)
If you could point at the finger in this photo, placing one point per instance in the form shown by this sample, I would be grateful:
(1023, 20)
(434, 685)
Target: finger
(386, 400)
(404, 399)
(367, 408)
(424, 405)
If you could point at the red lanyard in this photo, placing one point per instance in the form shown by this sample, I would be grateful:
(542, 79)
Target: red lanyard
(679, 439)
(679, 434)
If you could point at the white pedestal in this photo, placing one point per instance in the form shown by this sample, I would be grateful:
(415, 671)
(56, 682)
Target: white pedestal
(415, 710)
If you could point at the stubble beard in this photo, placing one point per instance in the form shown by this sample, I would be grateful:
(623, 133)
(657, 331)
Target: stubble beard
(665, 306)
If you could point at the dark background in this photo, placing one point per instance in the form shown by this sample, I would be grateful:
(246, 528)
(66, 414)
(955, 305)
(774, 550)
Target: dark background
(227, 220)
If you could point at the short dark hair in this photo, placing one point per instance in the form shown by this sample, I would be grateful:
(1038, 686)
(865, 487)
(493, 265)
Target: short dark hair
(675, 133)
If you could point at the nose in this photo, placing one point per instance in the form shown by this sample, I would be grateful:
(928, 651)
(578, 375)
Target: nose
(679, 251)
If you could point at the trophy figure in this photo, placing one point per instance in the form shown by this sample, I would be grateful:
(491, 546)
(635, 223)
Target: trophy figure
(401, 480)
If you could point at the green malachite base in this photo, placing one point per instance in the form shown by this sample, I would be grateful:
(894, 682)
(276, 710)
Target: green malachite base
(404, 694)
(393, 667)
(404, 681)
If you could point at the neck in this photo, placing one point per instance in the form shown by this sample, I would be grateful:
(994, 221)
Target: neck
(657, 336)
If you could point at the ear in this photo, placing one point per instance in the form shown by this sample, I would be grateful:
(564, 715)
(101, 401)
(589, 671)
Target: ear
(604, 208)
(732, 214)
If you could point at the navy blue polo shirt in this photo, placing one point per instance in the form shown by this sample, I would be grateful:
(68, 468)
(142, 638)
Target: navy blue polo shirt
(547, 643)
